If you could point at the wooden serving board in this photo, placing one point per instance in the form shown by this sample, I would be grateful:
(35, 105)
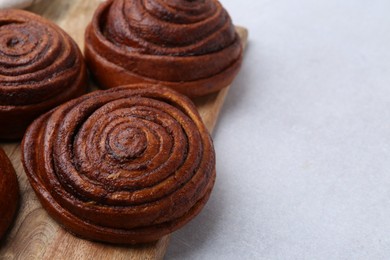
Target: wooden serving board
(34, 235)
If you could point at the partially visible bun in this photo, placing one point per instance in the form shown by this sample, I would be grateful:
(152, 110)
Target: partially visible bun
(190, 46)
(9, 193)
(40, 68)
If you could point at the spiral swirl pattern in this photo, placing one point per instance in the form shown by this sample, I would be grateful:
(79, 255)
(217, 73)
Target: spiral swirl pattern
(9, 192)
(126, 165)
(40, 68)
(190, 46)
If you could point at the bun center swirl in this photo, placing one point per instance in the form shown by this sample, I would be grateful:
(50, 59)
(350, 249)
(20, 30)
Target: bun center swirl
(126, 143)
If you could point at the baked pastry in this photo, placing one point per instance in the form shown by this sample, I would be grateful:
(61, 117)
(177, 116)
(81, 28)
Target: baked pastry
(40, 68)
(126, 165)
(9, 193)
(190, 46)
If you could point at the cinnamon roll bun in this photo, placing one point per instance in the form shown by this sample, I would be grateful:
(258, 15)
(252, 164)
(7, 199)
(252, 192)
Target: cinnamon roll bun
(126, 165)
(190, 46)
(40, 68)
(9, 193)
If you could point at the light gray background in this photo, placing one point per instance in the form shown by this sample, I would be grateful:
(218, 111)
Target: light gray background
(303, 141)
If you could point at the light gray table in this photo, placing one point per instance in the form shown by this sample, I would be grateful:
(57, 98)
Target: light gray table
(303, 142)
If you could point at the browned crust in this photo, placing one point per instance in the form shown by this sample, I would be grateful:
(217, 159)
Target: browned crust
(9, 193)
(165, 185)
(40, 68)
(114, 64)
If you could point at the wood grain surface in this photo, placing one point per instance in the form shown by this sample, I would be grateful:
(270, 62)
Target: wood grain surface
(34, 235)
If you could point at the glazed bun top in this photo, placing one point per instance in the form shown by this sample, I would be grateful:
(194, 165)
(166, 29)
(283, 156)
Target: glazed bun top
(40, 68)
(38, 60)
(128, 165)
(190, 46)
(189, 28)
